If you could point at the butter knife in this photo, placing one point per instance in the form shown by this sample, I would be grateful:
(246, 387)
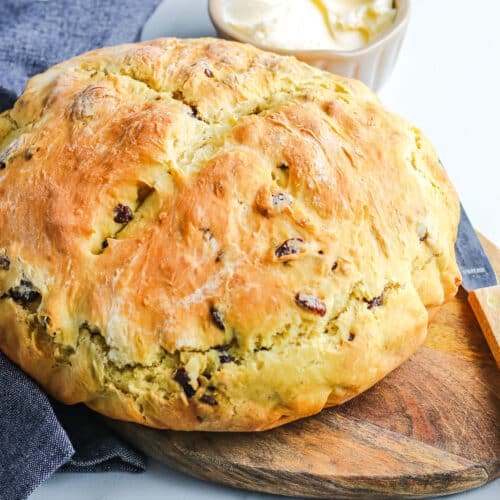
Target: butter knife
(480, 282)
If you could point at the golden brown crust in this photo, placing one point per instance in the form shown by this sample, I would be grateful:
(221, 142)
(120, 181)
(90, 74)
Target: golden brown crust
(202, 235)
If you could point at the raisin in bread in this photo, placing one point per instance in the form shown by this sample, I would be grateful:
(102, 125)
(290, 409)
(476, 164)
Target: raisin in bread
(196, 234)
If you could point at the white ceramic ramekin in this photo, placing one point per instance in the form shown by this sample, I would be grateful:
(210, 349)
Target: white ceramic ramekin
(371, 64)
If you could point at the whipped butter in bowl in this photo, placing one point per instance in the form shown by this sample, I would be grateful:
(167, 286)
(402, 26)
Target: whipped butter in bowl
(354, 38)
(310, 24)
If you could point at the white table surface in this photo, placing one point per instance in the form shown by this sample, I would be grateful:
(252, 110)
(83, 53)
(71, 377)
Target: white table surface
(447, 82)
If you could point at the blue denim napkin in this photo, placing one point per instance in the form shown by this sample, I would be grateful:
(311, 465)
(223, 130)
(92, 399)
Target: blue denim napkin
(37, 435)
(36, 34)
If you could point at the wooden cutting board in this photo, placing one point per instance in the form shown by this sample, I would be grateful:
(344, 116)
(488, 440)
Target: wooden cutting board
(432, 427)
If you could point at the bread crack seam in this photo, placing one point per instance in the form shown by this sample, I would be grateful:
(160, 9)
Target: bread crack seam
(169, 361)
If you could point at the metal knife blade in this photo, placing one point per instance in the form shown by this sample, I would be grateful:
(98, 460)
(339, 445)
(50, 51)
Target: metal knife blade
(477, 271)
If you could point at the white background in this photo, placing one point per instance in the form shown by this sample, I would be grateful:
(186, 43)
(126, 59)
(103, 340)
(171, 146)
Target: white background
(447, 82)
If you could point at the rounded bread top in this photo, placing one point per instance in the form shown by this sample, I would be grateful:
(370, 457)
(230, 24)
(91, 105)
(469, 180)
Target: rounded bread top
(175, 196)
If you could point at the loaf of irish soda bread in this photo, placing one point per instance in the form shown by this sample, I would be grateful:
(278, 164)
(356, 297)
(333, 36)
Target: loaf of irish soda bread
(196, 234)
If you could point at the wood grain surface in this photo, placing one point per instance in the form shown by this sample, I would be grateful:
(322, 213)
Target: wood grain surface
(432, 427)
(485, 303)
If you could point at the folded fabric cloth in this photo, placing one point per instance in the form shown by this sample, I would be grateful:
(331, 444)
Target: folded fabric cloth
(36, 34)
(37, 435)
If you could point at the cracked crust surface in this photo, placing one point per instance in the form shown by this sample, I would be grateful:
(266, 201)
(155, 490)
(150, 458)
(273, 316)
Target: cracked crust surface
(196, 234)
